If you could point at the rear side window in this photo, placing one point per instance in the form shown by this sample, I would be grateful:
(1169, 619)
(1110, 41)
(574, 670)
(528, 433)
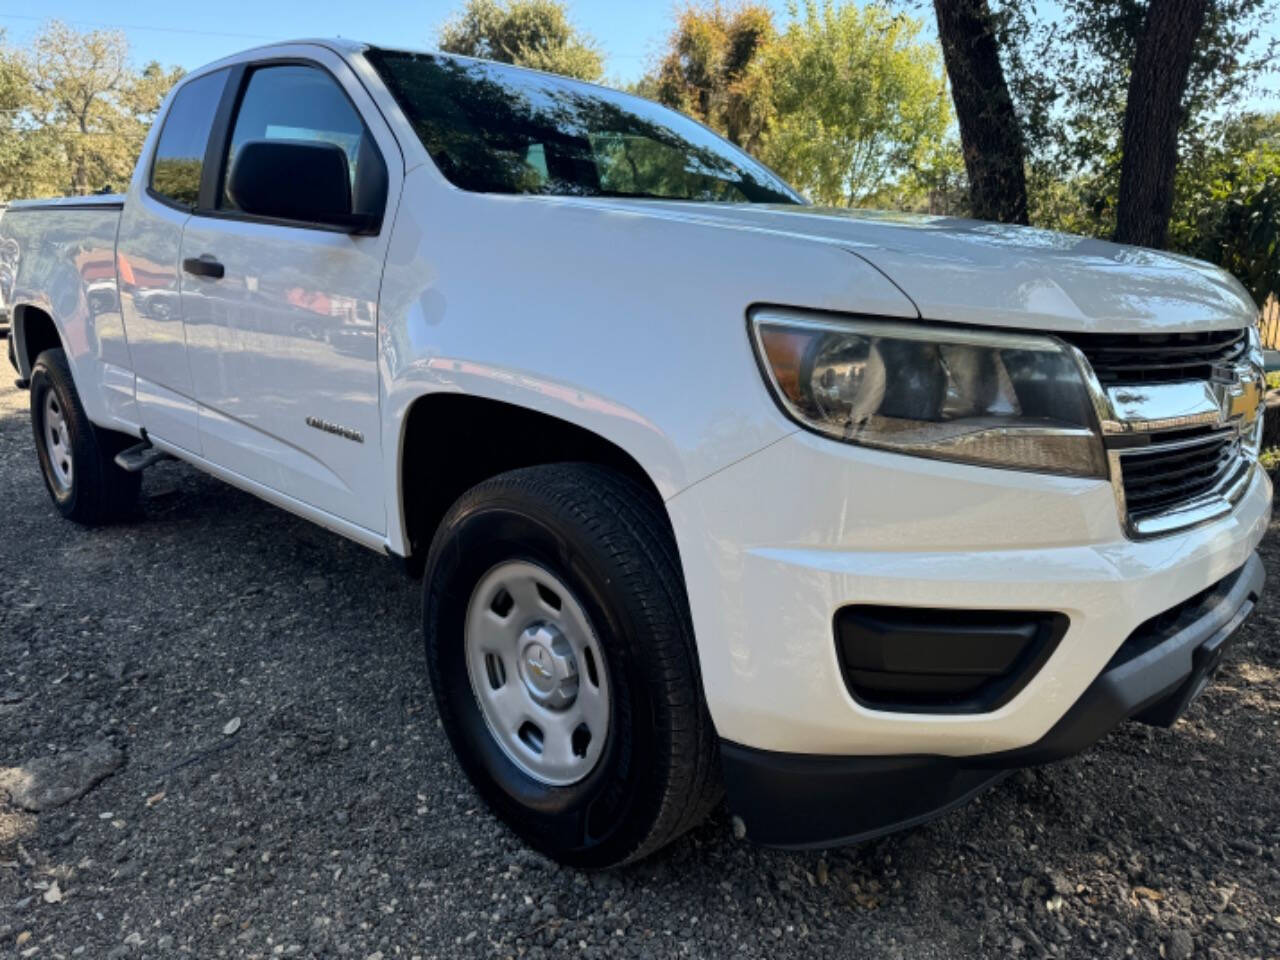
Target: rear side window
(179, 158)
(296, 102)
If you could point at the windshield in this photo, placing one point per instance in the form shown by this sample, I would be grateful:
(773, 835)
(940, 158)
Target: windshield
(499, 129)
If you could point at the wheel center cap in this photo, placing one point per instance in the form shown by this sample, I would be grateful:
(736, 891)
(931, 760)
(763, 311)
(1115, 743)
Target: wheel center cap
(538, 666)
(548, 667)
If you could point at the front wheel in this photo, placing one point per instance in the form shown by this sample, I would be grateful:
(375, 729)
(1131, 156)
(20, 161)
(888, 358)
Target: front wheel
(561, 654)
(76, 457)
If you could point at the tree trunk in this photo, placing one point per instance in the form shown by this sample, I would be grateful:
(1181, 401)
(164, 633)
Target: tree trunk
(1152, 117)
(994, 153)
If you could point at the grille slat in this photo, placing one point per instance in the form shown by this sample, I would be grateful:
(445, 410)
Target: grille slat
(1164, 473)
(1156, 469)
(1156, 487)
(1158, 479)
(1158, 357)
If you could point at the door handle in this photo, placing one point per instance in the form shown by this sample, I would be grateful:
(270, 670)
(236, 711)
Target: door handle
(204, 266)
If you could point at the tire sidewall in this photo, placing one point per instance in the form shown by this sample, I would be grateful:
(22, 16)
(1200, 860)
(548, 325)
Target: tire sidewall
(44, 379)
(599, 819)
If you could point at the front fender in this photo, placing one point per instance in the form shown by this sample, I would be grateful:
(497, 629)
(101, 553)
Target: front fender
(629, 325)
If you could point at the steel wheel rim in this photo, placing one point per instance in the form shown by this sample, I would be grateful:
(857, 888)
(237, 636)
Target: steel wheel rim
(537, 673)
(57, 442)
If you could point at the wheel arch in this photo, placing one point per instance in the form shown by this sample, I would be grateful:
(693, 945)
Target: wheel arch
(449, 442)
(34, 330)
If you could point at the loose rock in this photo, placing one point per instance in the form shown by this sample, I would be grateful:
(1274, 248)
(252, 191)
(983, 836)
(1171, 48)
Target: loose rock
(1179, 946)
(51, 782)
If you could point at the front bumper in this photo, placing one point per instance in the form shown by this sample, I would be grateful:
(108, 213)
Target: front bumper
(794, 800)
(774, 545)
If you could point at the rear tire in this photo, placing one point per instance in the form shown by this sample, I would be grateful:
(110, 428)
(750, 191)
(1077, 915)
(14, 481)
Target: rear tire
(602, 544)
(77, 458)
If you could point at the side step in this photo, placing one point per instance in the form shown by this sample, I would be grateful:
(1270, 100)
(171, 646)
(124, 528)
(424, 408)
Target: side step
(140, 456)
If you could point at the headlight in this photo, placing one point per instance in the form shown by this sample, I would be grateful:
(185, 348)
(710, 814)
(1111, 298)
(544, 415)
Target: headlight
(999, 400)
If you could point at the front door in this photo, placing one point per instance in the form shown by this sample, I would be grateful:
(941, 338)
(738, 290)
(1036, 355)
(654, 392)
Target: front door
(281, 317)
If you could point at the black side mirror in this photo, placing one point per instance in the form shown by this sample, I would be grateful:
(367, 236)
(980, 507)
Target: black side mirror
(304, 180)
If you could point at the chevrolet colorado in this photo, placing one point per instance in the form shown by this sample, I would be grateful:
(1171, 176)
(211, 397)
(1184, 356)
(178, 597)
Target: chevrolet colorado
(847, 514)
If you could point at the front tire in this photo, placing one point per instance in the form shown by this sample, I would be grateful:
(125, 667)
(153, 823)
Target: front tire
(561, 654)
(77, 458)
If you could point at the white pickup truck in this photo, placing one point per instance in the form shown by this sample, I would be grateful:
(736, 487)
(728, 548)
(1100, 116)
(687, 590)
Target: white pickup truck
(847, 513)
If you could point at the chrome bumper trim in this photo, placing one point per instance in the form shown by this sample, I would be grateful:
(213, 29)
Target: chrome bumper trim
(1155, 407)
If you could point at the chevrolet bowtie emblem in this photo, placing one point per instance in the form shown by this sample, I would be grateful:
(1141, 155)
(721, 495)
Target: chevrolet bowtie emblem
(535, 661)
(1244, 399)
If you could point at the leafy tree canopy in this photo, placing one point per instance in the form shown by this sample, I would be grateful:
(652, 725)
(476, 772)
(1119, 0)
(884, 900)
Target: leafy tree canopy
(1070, 73)
(1228, 208)
(75, 112)
(711, 69)
(529, 33)
(858, 100)
(848, 103)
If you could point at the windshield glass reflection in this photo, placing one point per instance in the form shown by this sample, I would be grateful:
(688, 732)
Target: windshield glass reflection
(494, 128)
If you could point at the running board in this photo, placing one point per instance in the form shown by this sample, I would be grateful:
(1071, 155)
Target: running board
(139, 457)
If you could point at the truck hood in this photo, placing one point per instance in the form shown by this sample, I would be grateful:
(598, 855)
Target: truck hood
(969, 271)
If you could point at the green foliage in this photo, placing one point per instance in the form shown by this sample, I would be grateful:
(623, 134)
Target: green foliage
(1228, 209)
(1226, 201)
(859, 102)
(23, 171)
(847, 103)
(177, 177)
(711, 70)
(75, 112)
(530, 33)
(937, 184)
(1069, 68)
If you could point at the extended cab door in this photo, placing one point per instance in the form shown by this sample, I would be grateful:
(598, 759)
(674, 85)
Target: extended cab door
(281, 315)
(161, 197)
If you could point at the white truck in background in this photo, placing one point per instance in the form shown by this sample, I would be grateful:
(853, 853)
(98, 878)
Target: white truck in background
(847, 513)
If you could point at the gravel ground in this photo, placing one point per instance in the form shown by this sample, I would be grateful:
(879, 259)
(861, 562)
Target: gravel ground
(249, 691)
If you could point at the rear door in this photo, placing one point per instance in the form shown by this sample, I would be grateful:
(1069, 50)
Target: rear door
(148, 250)
(283, 344)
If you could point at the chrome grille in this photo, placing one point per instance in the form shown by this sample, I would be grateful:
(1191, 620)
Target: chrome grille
(1180, 417)
(1167, 475)
(1159, 357)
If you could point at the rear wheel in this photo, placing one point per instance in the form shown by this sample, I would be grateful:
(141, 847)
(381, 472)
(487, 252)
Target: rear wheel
(561, 654)
(76, 457)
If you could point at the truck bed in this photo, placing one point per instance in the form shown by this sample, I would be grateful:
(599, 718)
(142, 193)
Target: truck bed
(59, 257)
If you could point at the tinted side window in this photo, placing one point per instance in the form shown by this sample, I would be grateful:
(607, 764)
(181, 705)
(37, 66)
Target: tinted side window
(295, 102)
(179, 157)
